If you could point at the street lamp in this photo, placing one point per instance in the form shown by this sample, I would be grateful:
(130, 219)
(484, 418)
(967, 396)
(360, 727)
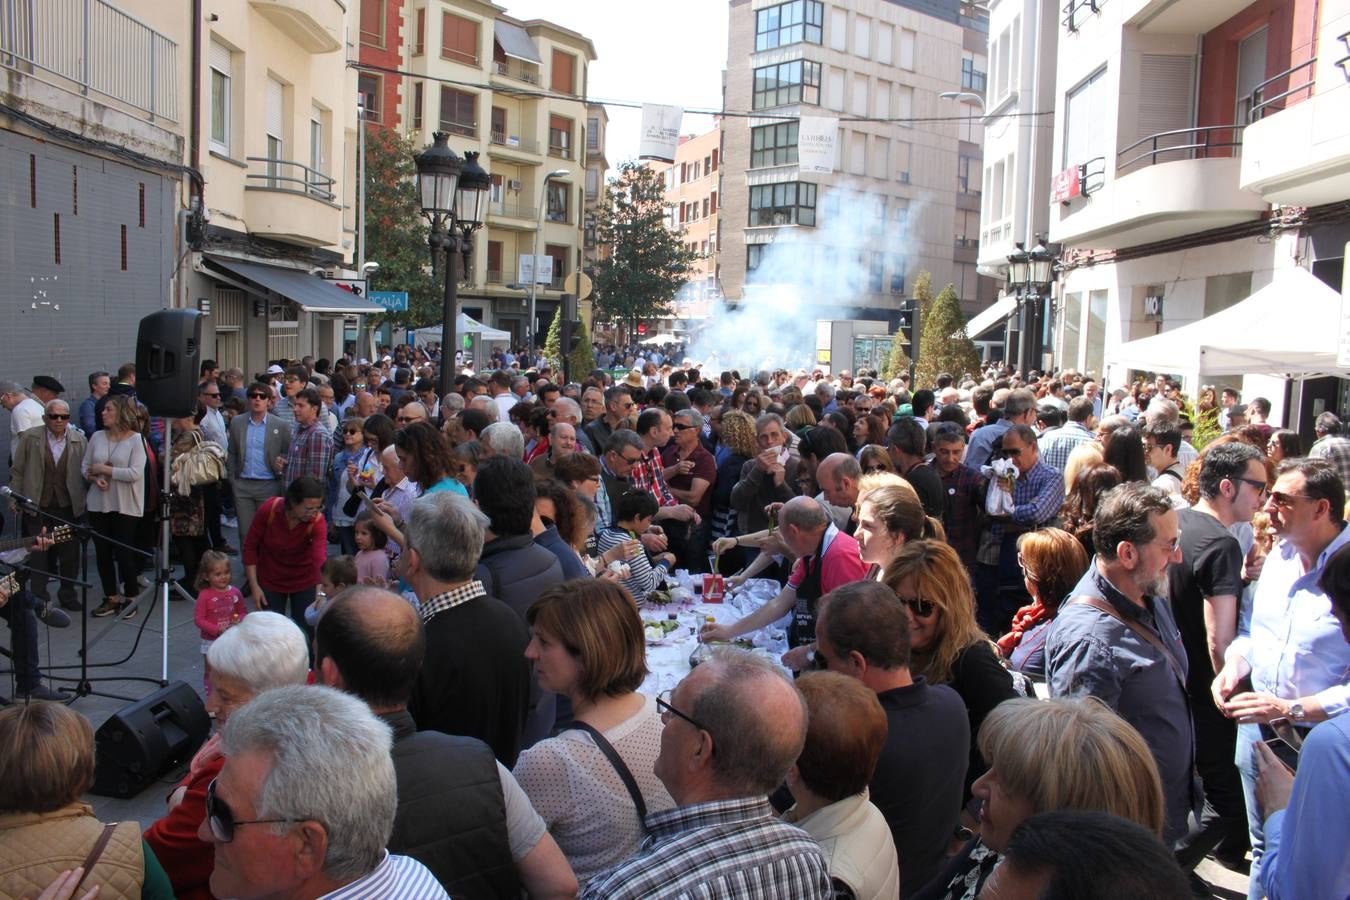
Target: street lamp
(534, 256)
(452, 192)
(964, 97)
(1030, 274)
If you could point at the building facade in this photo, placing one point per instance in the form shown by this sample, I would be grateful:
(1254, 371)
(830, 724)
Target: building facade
(1180, 190)
(904, 195)
(693, 183)
(514, 91)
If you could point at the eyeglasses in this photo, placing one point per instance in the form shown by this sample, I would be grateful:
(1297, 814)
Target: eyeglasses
(222, 820)
(921, 608)
(679, 427)
(630, 460)
(216, 394)
(667, 710)
(1170, 546)
(1286, 501)
(406, 419)
(257, 397)
(876, 468)
(59, 417)
(1259, 485)
(1013, 452)
(351, 431)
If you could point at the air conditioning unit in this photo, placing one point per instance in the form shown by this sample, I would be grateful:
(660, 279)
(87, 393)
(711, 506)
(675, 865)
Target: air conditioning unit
(514, 185)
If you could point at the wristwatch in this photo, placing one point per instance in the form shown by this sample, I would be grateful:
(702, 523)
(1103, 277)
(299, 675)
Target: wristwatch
(1296, 712)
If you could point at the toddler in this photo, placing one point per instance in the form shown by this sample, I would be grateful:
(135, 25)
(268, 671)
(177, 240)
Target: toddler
(372, 561)
(336, 575)
(219, 603)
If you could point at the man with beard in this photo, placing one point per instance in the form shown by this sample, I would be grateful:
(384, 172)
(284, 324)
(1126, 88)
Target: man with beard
(1115, 637)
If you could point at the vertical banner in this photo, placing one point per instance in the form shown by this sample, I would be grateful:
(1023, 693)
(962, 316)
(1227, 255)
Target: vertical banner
(660, 132)
(816, 144)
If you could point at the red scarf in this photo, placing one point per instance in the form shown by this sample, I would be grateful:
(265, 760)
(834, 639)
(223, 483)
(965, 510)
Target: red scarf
(1025, 618)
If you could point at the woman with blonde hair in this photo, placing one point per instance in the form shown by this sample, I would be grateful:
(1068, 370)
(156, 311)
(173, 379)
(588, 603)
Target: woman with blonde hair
(588, 644)
(736, 447)
(799, 417)
(115, 467)
(1081, 458)
(889, 516)
(1052, 562)
(45, 828)
(949, 647)
(1050, 755)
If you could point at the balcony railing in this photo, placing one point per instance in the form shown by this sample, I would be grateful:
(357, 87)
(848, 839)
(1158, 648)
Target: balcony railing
(557, 282)
(96, 47)
(292, 177)
(463, 129)
(1261, 100)
(519, 73)
(1077, 11)
(514, 210)
(495, 276)
(511, 142)
(1186, 143)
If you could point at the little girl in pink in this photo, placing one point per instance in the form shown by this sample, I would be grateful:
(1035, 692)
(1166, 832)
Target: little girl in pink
(219, 603)
(372, 560)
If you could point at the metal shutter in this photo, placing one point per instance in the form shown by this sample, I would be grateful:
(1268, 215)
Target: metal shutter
(275, 104)
(1166, 103)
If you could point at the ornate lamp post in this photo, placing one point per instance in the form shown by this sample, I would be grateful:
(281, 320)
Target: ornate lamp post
(453, 192)
(1030, 274)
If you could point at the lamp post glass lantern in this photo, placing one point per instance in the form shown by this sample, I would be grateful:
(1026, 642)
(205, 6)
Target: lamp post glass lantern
(1030, 274)
(452, 192)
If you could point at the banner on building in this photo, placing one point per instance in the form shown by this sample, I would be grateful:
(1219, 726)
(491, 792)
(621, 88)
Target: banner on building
(534, 268)
(660, 132)
(816, 144)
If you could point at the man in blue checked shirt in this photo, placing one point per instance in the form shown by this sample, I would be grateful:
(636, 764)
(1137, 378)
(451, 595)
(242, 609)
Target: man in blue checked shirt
(1037, 495)
(734, 726)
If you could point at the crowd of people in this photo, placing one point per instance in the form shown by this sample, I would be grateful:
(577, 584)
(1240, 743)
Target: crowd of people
(1039, 642)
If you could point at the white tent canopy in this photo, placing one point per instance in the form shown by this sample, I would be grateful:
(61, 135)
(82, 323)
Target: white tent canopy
(466, 326)
(1288, 328)
(663, 338)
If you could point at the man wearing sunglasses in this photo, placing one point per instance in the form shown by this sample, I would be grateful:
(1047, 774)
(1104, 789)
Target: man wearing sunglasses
(305, 803)
(1115, 637)
(1291, 651)
(47, 469)
(257, 440)
(1204, 590)
(733, 728)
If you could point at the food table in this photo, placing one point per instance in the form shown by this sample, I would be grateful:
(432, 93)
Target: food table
(668, 649)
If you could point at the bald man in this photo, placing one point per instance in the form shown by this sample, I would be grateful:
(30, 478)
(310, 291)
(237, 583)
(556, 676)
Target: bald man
(838, 475)
(460, 813)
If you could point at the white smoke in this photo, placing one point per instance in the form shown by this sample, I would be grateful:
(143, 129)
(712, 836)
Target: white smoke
(805, 275)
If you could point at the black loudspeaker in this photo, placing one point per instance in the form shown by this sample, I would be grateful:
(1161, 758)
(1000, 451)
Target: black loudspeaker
(168, 358)
(147, 738)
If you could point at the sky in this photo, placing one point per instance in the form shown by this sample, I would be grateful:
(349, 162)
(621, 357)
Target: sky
(647, 51)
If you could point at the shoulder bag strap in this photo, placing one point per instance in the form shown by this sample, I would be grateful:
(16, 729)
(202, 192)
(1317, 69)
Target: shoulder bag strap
(619, 766)
(1138, 628)
(92, 859)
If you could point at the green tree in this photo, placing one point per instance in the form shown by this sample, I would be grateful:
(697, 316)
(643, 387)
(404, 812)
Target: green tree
(553, 342)
(944, 346)
(923, 293)
(648, 262)
(582, 359)
(897, 363)
(396, 233)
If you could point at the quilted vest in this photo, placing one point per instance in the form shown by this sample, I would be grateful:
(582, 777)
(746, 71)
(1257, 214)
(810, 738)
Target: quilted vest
(857, 841)
(37, 847)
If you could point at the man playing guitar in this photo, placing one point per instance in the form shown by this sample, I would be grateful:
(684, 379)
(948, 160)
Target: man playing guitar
(19, 608)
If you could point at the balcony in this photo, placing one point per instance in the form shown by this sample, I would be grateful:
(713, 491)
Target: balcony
(966, 250)
(515, 71)
(1178, 16)
(518, 216)
(288, 201)
(1297, 151)
(1166, 185)
(462, 129)
(496, 276)
(316, 25)
(511, 145)
(92, 47)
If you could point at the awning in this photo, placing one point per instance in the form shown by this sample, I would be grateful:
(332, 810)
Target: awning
(988, 318)
(1287, 328)
(312, 293)
(515, 41)
(467, 325)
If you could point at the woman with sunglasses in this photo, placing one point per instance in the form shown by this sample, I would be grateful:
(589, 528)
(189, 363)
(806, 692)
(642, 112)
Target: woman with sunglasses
(587, 644)
(1052, 562)
(948, 645)
(48, 765)
(265, 650)
(349, 464)
(874, 457)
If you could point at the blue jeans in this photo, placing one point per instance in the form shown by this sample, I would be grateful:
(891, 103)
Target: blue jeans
(1256, 826)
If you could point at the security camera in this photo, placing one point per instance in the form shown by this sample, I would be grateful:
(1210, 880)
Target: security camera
(370, 268)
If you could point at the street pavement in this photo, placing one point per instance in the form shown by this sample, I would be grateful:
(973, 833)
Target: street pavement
(124, 651)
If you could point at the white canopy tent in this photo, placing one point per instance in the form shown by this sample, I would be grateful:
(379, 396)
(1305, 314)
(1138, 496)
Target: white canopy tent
(466, 325)
(1287, 329)
(663, 338)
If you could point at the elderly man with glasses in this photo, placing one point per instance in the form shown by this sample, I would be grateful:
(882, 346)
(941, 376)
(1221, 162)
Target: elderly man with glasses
(46, 469)
(1115, 638)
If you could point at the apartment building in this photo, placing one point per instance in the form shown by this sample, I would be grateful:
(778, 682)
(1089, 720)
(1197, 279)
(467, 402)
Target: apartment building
(597, 166)
(905, 192)
(514, 91)
(1018, 138)
(93, 136)
(278, 110)
(1192, 186)
(692, 185)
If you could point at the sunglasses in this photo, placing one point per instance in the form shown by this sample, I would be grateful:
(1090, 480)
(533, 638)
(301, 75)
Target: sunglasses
(1286, 501)
(682, 427)
(1257, 484)
(222, 821)
(407, 419)
(60, 417)
(351, 430)
(630, 460)
(874, 469)
(921, 608)
(257, 397)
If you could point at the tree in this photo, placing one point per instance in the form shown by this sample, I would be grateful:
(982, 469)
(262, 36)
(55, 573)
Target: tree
(923, 294)
(396, 233)
(944, 346)
(897, 363)
(553, 343)
(582, 360)
(648, 263)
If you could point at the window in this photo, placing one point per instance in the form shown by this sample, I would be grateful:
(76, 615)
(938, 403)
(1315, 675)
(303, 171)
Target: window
(1083, 111)
(790, 82)
(862, 36)
(972, 79)
(592, 184)
(316, 145)
(560, 136)
(593, 134)
(498, 134)
(773, 145)
(705, 207)
(222, 70)
(885, 42)
(965, 165)
(858, 96)
(418, 94)
(789, 23)
(420, 33)
(897, 274)
(459, 39)
(558, 194)
(789, 203)
(754, 255)
(459, 112)
(838, 29)
(712, 202)
(559, 254)
(903, 151)
(714, 159)
(707, 165)
(695, 176)
(494, 262)
(881, 100)
(902, 104)
(276, 130)
(834, 89)
(906, 60)
(857, 153)
(372, 22)
(564, 73)
(368, 87)
(876, 271)
(881, 158)
(900, 215)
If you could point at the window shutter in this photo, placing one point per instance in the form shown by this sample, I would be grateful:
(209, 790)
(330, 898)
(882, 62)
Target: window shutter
(220, 58)
(1166, 102)
(275, 105)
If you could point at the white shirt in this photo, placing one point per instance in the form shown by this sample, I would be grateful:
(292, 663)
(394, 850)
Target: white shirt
(28, 414)
(56, 444)
(213, 426)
